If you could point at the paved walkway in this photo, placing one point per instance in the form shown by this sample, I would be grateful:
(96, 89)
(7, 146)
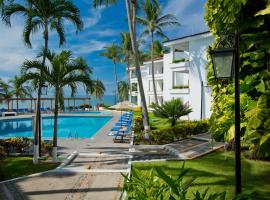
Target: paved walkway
(94, 174)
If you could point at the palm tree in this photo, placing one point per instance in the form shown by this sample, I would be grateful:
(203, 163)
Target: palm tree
(158, 50)
(172, 110)
(5, 93)
(44, 15)
(63, 72)
(123, 88)
(113, 53)
(154, 22)
(126, 50)
(18, 90)
(131, 8)
(98, 89)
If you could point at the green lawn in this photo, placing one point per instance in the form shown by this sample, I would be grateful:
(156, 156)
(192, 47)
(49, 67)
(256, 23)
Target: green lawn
(158, 122)
(20, 166)
(217, 173)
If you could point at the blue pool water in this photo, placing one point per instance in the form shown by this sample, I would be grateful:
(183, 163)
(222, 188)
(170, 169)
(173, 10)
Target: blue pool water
(68, 127)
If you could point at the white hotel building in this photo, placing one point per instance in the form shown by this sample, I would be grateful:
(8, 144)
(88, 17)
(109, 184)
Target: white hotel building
(181, 73)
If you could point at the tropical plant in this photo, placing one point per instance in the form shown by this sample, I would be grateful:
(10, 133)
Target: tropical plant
(19, 90)
(154, 22)
(131, 8)
(123, 89)
(64, 71)
(98, 89)
(44, 15)
(254, 78)
(157, 185)
(158, 49)
(113, 53)
(5, 93)
(126, 51)
(173, 110)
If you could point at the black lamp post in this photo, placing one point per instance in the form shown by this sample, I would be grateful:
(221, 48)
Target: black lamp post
(226, 65)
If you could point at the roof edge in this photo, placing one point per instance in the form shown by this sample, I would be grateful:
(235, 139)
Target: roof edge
(187, 36)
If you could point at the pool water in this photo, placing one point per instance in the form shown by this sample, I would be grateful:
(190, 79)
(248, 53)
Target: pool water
(68, 127)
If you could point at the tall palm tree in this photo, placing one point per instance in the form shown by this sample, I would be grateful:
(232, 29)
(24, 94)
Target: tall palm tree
(123, 88)
(126, 51)
(113, 53)
(158, 49)
(98, 89)
(5, 93)
(19, 90)
(131, 8)
(63, 72)
(154, 22)
(44, 15)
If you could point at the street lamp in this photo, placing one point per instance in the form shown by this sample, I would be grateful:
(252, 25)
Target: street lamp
(226, 66)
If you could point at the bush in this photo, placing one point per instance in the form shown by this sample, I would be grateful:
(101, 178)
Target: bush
(178, 132)
(47, 147)
(17, 145)
(2, 153)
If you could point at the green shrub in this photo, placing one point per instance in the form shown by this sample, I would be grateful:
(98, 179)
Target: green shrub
(18, 145)
(181, 131)
(180, 86)
(157, 185)
(48, 147)
(2, 153)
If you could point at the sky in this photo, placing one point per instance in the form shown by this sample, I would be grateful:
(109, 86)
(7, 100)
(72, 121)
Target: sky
(102, 27)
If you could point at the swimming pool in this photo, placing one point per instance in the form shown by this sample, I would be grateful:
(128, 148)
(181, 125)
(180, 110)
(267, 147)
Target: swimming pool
(68, 127)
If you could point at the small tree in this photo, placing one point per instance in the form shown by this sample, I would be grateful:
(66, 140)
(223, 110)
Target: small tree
(173, 110)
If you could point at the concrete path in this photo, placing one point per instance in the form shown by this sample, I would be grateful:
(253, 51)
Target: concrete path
(94, 174)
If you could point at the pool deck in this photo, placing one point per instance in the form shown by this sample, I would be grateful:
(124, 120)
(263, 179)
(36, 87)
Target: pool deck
(94, 174)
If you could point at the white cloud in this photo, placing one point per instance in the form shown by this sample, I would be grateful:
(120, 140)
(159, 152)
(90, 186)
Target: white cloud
(12, 49)
(88, 47)
(190, 14)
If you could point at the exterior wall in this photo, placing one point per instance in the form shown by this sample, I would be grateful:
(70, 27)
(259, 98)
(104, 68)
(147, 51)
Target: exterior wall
(192, 70)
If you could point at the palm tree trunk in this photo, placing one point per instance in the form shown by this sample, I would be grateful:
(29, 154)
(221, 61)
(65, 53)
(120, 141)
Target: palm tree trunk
(132, 30)
(8, 104)
(17, 103)
(55, 125)
(128, 76)
(116, 82)
(37, 138)
(153, 68)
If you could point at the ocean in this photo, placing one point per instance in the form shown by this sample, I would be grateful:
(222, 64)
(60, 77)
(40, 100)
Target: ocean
(107, 100)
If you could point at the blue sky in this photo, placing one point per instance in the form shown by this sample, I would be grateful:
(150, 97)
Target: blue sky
(102, 27)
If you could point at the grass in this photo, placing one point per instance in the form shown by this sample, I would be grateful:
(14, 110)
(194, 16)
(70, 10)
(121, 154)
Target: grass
(217, 173)
(23, 165)
(157, 122)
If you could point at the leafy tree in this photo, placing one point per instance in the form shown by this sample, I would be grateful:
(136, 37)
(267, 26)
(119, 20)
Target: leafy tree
(19, 90)
(172, 110)
(154, 22)
(123, 88)
(98, 89)
(113, 53)
(253, 26)
(45, 16)
(131, 8)
(5, 92)
(64, 71)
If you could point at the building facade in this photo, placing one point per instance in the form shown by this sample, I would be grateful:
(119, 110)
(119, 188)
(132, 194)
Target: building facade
(181, 73)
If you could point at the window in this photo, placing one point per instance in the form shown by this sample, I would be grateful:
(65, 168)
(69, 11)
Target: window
(133, 74)
(159, 86)
(134, 99)
(158, 68)
(180, 80)
(134, 87)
